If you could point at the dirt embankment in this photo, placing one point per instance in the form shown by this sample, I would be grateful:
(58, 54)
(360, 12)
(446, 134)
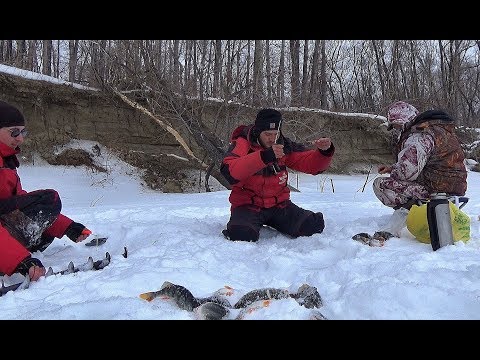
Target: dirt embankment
(57, 114)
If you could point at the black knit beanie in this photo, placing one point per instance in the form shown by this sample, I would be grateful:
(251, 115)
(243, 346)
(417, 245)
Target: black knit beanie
(268, 119)
(10, 115)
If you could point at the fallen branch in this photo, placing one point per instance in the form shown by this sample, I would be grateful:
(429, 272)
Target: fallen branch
(164, 125)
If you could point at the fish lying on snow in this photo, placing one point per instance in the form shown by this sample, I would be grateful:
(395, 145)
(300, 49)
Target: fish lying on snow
(308, 296)
(252, 307)
(212, 308)
(216, 306)
(181, 295)
(211, 311)
(261, 294)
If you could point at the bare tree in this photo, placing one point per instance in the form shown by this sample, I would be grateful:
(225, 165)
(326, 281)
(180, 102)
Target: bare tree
(414, 72)
(451, 55)
(314, 86)
(323, 76)
(304, 87)
(281, 76)
(73, 58)
(257, 95)
(21, 57)
(56, 59)
(295, 68)
(217, 72)
(47, 57)
(8, 52)
(31, 63)
(228, 81)
(175, 65)
(268, 72)
(380, 68)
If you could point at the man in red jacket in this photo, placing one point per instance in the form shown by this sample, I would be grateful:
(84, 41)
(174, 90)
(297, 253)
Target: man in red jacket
(29, 221)
(256, 167)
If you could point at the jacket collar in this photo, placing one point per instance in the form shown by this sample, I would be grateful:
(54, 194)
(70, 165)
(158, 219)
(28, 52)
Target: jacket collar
(7, 150)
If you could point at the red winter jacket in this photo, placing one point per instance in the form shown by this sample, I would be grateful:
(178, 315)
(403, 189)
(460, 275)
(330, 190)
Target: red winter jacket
(253, 181)
(11, 251)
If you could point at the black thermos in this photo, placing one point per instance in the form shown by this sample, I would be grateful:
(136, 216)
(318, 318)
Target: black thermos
(439, 221)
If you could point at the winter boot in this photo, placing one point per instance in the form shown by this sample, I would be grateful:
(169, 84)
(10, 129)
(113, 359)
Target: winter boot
(226, 234)
(397, 222)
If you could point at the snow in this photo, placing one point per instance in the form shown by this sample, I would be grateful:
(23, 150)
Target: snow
(177, 238)
(37, 76)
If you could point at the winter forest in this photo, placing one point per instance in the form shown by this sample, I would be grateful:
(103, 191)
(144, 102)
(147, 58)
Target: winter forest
(338, 75)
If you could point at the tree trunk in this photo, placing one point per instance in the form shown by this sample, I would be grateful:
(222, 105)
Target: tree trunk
(47, 57)
(257, 95)
(295, 79)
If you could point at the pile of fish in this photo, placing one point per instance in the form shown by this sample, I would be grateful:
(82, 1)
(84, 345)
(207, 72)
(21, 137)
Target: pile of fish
(218, 307)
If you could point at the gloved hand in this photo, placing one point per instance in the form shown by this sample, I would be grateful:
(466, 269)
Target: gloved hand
(84, 234)
(31, 266)
(77, 232)
(268, 156)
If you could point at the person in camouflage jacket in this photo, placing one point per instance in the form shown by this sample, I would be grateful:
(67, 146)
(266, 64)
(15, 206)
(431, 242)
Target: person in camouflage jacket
(429, 158)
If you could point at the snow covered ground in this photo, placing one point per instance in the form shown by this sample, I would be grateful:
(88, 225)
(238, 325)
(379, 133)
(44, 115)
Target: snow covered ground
(177, 238)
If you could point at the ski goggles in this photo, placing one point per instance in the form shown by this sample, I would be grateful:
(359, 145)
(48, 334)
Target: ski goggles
(17, 132)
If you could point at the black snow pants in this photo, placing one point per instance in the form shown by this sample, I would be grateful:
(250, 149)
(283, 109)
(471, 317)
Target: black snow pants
(289, 219)
(27, 216)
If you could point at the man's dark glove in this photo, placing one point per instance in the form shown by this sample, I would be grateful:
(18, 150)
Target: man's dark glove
(26, 264)
(74, 231)
(268, 156)
(329, 151)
